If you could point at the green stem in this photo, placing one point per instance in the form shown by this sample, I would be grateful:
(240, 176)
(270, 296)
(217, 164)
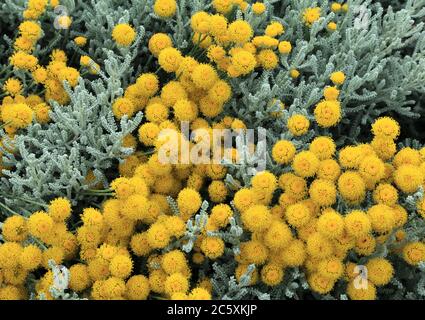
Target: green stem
(33, 202)
(8, 209)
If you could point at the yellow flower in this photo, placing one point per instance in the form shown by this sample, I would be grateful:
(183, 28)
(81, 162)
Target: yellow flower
(327, 113)
(330, 224)
(165, 8)
(17, 115)
(319, 246)
(332, 26)
(243, 62)
(15, 229)
(285, 47)
(158, 42)
(80, 41)
(169, 59)
(137, 288)
(258, 8)
(408, 178)
(311, 15)
(337, 77)
(367, 292)
(331, 93)
(323, 192)
(79, 277)
(123, 34)
(357, 223)
(204, 76)
(414, 252)
(122, 107)
(272, 274)
(257, 218)
(320, 283)
(305, 164)
(298, 215)
(212, 247)
(199, 294)
(267, 59)
(13, 86)
(382, 218)
(274, 29)
(331, 268)
(283, 152)
(379, 271)
(176, 282)
(298, 125)
(351, 187)
(240, 31)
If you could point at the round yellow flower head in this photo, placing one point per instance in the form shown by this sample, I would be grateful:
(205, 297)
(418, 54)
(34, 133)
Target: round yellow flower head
(332, 26)
(258, 8)
(158, 42)
(240, 31)
(351, 187)
(278, 235)
(379, 271)
(243, 62)
(330, 224)
(59, 209)
(148, 84)
(169, 59)
(283, 152)
(331, 268)
(212, 247)
(15, 229)
(320, 284)
(272, 274)
(79, 277)
(323, 147)
(40, 224)
(137, 288)
(319, 246)
(305, 164)
(357, 223)
(80, 41)
(311, 15)
(12, 86)
(165, 8)
(382, 218)
(327, 113)
(414, 252)
(285, 47)
(408, 178)
(121, 266)
(123, 34)
(122, 107)
(337, 77)
(331, 93)
(175, 283)
(362, 292)
(386, 127)
(298, 125)
(204, 76)
(298, 215)
(323, 192)
(200, 22)
(31, 257)
(257, 218)
(267, 59)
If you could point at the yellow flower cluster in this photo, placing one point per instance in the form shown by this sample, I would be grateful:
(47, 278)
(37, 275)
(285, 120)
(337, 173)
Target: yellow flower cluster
(18, 111)
(310, 233)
